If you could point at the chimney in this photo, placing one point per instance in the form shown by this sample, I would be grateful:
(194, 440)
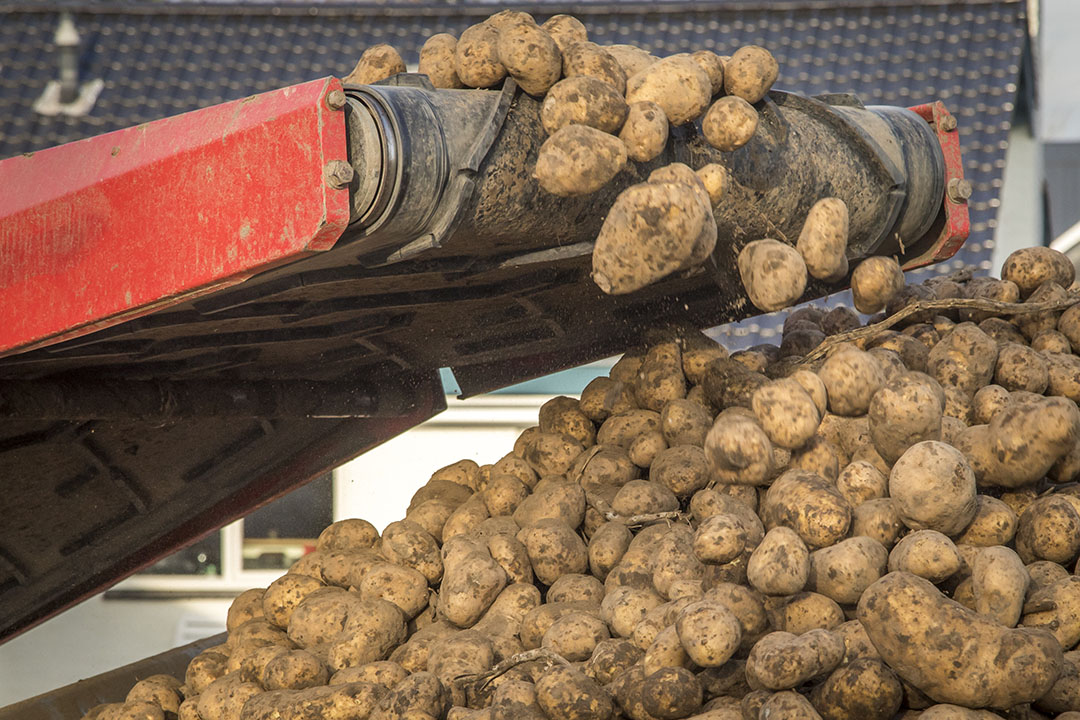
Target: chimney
(67, 45)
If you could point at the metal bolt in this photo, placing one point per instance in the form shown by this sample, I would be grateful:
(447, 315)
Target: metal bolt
(959, 190)
(948, 123)
(335, 99)
(338, 174)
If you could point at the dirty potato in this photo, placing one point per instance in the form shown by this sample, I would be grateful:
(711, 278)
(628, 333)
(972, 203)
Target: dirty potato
(530, 56)
(579, 160)
(823, 240)
(377, 63)
(773, 274)
(730, 123)
(437, 61)
(677, 84)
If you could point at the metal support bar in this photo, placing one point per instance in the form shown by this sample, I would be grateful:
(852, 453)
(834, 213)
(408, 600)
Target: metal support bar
(171, 400)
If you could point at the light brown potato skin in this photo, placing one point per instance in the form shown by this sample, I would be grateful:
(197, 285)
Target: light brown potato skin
(710, 633)
(842, 571)
(284, 594)
(1031, 267)
(750, 72)
(349, 534)
(823, 240)
(994, 523)
(377, 63)
(999, 583)
(780, 564)
(713, 66)
(851, 377)
(476, 57)
(677, 84)
(964, 358)
(928, 554)
(876, 280)
(738, 450)
(650, 232)
(437, 61)
(773, 274)
(246, 606)
(905, 411)
(587, 58)
(631, 58)
(578, 160)
(786, 412)
(863, 689)
(583, 100)
(645, 131)
(808, 504)
(952, 654)
(565, 30)
(566, 692)
(781, 660)
(933, 487)
(729, 123)
(530, 56)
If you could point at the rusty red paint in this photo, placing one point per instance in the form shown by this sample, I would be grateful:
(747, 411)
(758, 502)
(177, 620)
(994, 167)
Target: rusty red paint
(954, 231)
(112, 227)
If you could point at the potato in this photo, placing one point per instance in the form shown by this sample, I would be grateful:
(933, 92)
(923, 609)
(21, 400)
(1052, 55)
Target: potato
(660, 378)
(554, 549)
(851, 377)
(788, 704)
(347, 535)
(738, 450)
(650, 232)
(720, 539)
(405, 588)
(512, 557)
(671, 693)
(631, 58)
(565, 30)
(781, 660)
(163, 691)
(575, 636)
(1030, 267)
(713, 66)
(437, 61)
(876, 280)
(952, 654)
(611, 658)
(864, 689)
(860, 481)
(994, 523)
(465, 653)
(933, 488)
(530, 56)
(926, 553)
(842, 571)
(750, 73)
(905, 411)
(1056, 608)
(823, 240)
(729, 123)
(553, 498)
(999, 583)
(284, 594)
(473, 580)
(809, 505)
(1052, 341)
(965, 358)
(709, 632)
(384, 673)
(773, 274)
(682, 469)
(1021, 368)
(677, 84)
(225, 698)
(373, 629)
(988, 402)
(1026, 439)
(567, 693)
(420, 692)
(590, 59)
(786, 413)
(879, 520)
(802, 612)
(476, 57)
(1049, 529)
(245, 606)
(294, 670)
(410, 545)
(583, 100)
(644, 131)
(377, 63)
(780, 564)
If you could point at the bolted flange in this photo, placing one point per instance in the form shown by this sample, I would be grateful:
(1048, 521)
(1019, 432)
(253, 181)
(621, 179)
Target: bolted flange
(338, 174)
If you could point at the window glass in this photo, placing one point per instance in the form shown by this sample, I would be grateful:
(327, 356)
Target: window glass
(279, 534)
(202, 558)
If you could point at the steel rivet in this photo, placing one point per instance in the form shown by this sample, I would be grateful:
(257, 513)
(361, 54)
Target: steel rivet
(335, 99)
(338, 174)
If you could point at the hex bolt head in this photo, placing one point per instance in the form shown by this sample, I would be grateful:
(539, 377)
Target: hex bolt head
(948, 123)
(959, 190)
(338, 174)
(335, 99)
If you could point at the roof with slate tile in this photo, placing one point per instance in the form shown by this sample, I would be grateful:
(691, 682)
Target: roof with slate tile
(163, 58)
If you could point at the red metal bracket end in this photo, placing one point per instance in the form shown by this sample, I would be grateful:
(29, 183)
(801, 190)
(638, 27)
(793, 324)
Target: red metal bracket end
(106, 229)
(952, 226)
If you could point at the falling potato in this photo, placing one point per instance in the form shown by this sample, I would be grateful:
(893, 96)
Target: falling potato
(773, 274)
(823, 240)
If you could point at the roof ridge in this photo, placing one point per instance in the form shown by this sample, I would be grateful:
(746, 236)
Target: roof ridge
(392, 8)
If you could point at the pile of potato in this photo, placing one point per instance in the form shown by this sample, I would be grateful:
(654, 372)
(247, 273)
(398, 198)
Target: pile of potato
(886, 532)
(604, 106)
